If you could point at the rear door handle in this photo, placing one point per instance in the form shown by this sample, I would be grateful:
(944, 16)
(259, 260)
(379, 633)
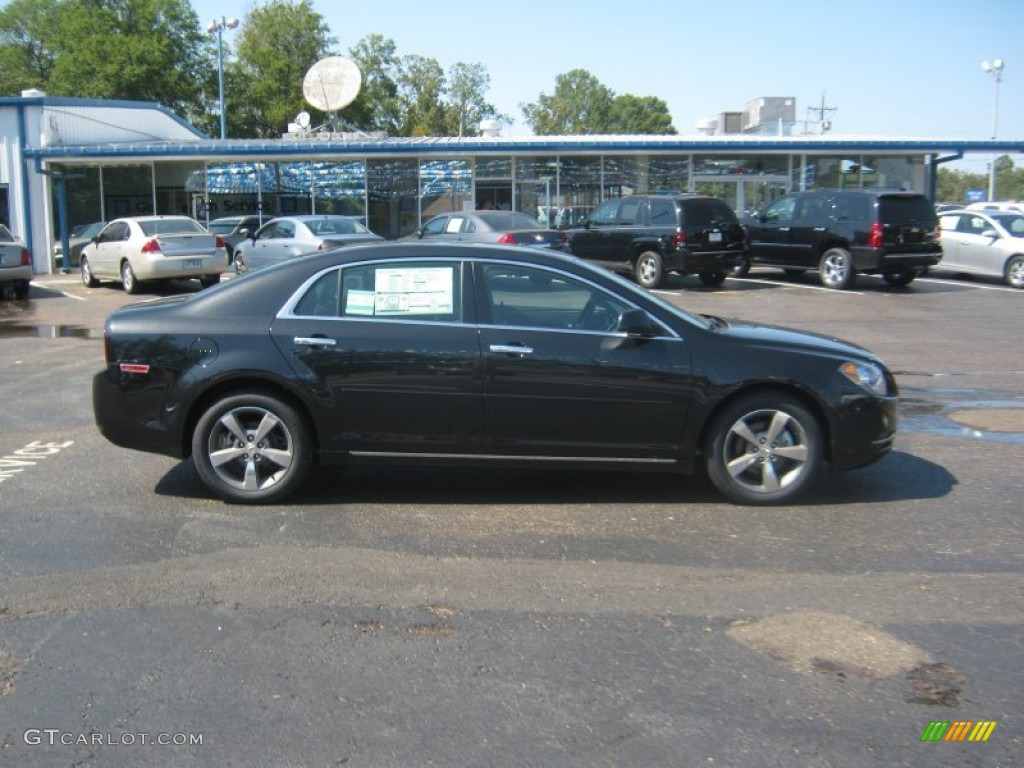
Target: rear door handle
(314, 341)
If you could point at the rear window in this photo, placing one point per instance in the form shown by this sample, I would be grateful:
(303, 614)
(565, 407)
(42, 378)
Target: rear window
(170, 226)
(706, 213)
(506, 222)
(907, 209)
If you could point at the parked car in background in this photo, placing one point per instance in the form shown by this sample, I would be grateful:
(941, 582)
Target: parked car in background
(289, 237)
(1009, 205)
(984, 242)
(137, 249)
(572, 216)
(649, 236)
(80, 237)
(842, 233)
(500, 227)
(15, 264)
(233, 230)
(479, 355)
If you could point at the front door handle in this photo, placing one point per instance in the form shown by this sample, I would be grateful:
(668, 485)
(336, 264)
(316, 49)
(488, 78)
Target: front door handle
(519, 350)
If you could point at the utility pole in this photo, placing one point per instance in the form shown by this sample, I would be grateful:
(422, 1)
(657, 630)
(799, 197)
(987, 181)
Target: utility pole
(823, 122)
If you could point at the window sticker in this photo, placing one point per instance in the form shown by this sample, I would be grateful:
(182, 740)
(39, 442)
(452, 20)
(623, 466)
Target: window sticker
(359, 302)
(414, 291)
(454, 224)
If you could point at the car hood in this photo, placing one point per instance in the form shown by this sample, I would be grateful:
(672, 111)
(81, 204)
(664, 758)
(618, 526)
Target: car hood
(778, 336)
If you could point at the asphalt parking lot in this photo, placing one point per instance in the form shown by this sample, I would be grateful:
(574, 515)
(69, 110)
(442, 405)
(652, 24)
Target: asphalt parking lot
(397, 617)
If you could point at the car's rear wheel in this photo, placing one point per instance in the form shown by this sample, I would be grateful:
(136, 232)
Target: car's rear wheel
(1015, 272)
(208, 281)
(21, 290)
(88, 279)
(900, 278)
(764, 449)
(252, 448)
(649, 270)
(836, 269)
(712, 279)
(128, 279)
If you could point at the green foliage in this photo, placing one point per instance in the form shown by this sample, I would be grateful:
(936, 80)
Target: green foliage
(582, 105)
(27, 45)
(279, 41)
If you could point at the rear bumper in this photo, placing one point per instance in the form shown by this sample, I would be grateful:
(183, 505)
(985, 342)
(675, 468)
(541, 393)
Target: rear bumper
(878, 260)
(168, 267)
(686, 262)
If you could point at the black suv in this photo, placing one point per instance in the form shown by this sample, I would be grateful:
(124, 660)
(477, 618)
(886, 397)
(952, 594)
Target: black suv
(652, 235)
(841, 232)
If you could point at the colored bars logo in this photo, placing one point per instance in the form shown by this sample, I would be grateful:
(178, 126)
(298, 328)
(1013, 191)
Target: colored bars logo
(958, 730)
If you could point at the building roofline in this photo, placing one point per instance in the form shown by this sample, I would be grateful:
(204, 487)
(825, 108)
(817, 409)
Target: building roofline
(69, 102)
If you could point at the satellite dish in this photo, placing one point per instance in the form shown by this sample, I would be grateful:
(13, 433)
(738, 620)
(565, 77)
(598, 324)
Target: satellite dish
(331, 83)
(302, 120)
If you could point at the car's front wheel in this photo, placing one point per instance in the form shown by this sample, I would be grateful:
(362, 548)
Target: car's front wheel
(836, 269)
(764, 449)
(252, 448)
(240, 266)
(88, 279)
(649, 270)
(742, 269)
(1015, 272)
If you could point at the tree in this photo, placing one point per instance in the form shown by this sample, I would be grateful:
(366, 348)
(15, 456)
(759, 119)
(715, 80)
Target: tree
(467, 98)
(420, 88)
(640, 114)
(579, 105)
(27, 45)
(278, 43)
(376, 108)
(953, 185)
(582, 105)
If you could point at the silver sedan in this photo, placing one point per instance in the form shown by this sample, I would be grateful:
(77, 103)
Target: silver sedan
(502, 227)
(984, 243)
(289, 237)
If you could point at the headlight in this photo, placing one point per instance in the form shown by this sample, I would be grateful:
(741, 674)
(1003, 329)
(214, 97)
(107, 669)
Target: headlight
(865, 375)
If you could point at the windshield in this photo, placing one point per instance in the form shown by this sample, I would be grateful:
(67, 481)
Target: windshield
(222, 226)
(1011, 222)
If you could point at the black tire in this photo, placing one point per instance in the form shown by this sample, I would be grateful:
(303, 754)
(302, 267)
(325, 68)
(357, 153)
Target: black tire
(88, 279)
(899, 279)
(764, 449)
(836, 269)
(742, 269)
(712, 279)
(649, 270)
(240, 266)
(208, 281)
(128, 279)
(252, 448)
(1014, 272)
(21, 290)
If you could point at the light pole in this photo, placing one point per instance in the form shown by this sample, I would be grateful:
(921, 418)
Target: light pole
(219, 27)
(994, 68)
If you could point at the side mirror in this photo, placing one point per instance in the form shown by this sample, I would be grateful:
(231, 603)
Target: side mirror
(636, 322)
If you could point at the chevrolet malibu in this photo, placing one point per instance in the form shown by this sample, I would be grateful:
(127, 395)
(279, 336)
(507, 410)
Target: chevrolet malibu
(479, 355)
(137, 249)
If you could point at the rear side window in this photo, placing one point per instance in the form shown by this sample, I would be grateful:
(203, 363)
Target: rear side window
(907, 209)
(707, 213)
(663, 213)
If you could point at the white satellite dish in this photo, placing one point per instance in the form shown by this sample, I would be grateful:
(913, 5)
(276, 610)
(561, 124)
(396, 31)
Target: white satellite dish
(302, 120)
(331, 83)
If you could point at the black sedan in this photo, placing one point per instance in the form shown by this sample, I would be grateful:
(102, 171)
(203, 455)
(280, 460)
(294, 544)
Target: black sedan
(479, 355)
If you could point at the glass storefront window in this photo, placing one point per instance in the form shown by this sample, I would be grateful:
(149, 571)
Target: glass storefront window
(128, 190)
(445, 185)
(621, 176)
(392, 187)
(668, 174)
(494, 168)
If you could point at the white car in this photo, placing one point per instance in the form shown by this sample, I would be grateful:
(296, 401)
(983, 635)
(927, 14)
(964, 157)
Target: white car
(984, 243)
(141, 248)
(288, 237)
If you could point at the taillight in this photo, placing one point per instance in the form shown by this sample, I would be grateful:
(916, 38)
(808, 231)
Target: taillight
(678, 239)
(107, 357)
(321, 246)
(565, 239)
(220, 242)
(151, 246)
(875, 235)
(26, 258)
(507, 239)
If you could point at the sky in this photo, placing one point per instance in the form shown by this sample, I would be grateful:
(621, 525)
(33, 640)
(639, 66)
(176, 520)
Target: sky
(895, 68)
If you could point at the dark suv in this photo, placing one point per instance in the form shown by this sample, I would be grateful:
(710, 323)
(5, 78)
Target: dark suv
(652, 235)
(841, 232)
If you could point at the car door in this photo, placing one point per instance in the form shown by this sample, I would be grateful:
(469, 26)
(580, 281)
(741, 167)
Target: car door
(272, 244)
(809, 230)
(977, 246)
(446, 228)
(593, 241)
(950, 224)
(391, 351)
(770, 231)
(561, 382)
(105, 256)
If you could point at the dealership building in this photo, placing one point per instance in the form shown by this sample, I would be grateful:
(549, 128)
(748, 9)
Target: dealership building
(67, 162)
